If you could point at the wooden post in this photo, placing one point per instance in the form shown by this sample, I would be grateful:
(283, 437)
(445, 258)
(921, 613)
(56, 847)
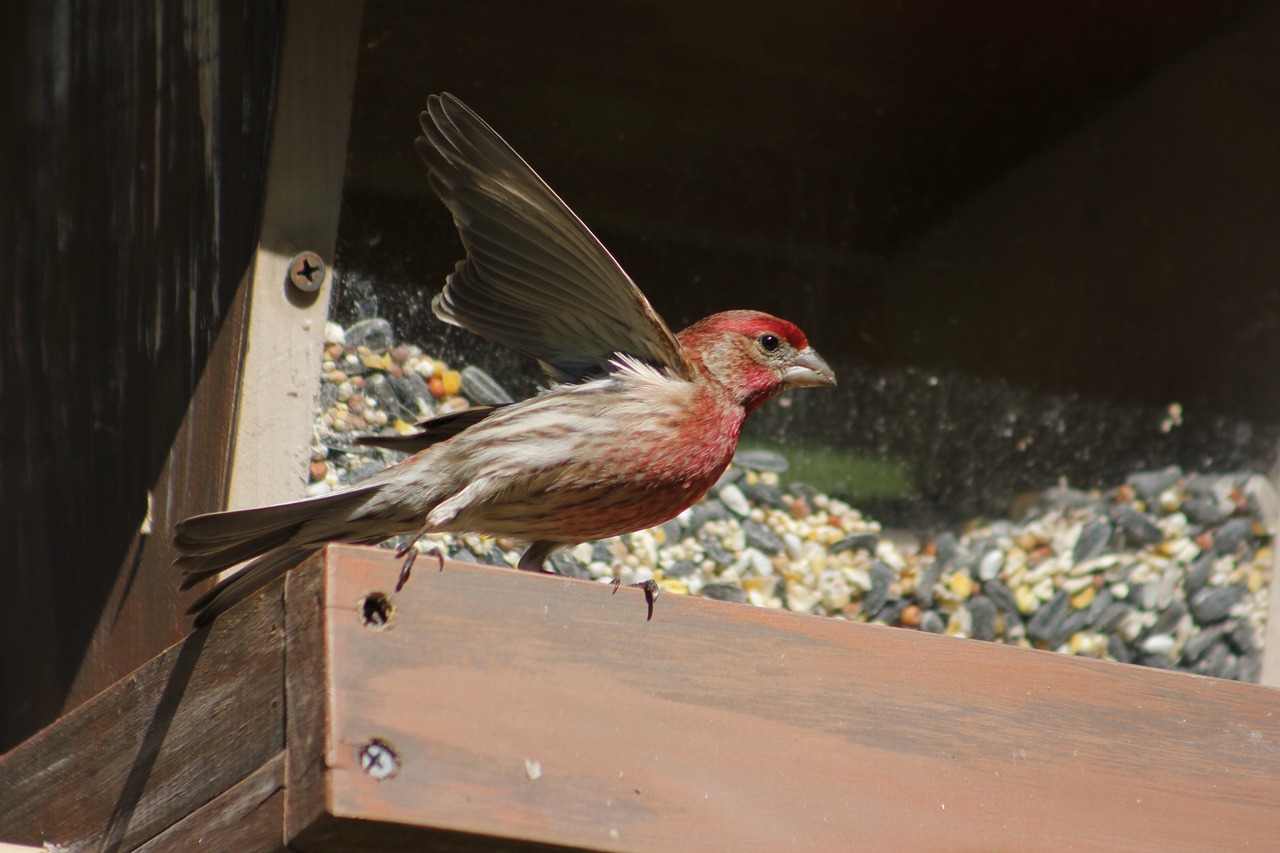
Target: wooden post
(304, 194)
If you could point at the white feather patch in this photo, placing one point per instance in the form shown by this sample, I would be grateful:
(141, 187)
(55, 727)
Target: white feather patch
(630, 367)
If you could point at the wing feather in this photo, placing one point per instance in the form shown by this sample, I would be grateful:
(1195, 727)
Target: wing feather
(535, 278)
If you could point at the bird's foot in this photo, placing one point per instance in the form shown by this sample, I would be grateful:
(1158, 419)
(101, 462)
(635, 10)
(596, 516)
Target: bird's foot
(651, 592)
(410, 553)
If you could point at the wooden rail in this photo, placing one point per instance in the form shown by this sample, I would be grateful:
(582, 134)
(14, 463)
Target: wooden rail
(505, 710)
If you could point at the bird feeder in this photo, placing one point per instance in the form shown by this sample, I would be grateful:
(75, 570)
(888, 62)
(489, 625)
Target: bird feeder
(1036, 258)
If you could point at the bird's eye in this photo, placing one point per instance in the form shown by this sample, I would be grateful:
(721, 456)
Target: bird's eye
(769, 342)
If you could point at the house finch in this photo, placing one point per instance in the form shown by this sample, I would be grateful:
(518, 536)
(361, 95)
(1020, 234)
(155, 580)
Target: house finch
(638, 424)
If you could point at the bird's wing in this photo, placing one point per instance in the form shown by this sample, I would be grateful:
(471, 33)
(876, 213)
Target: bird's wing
(431, 431)
(535, 278)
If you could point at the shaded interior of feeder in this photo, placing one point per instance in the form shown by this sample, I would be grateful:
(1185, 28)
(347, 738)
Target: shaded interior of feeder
(1035, 241)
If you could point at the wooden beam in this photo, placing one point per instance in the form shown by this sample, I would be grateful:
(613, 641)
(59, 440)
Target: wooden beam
(246, 437)
(157, 745)
(307, 701)
(159, 228)
(247, 819)
(304, 195)
(143, 613)
(499, 710)
(544, 710)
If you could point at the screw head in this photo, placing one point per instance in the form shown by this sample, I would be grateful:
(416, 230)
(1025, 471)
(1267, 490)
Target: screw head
(306, 272)
(379, 760)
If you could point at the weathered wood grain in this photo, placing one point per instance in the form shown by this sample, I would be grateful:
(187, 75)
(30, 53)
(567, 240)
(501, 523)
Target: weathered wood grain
(157, 745)
(248, 818)
(306, 701)
(143, 613)
(134, 189)
(547, 709)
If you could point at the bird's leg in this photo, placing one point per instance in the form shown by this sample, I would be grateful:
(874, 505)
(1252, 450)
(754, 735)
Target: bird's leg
(651, 592)
(410, 553)
(532, 560)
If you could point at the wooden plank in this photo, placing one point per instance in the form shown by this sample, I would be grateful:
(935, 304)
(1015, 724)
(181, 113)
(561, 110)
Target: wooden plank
(306, 701)
(157, 745)
(144, 611)
(548, 709)
(274, 428)
(248, 818)
(244, 393)
(310, 824)
(123, 260)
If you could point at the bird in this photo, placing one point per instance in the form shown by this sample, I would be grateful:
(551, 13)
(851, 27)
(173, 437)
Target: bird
(636, 425)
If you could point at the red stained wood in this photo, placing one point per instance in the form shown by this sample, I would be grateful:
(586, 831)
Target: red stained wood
(548, 709)
(538, 712)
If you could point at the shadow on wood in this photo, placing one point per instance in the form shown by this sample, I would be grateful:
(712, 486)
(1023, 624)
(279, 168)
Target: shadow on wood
(158, 744)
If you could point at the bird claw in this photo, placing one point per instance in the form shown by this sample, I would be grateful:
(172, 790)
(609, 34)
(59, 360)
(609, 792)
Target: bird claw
(408, 564)
(651, 592)
(410, 553)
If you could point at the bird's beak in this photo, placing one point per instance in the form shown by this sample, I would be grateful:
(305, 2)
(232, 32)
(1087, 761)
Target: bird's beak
(808, 369)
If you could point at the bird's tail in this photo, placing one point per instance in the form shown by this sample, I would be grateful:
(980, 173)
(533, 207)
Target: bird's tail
(267, 535)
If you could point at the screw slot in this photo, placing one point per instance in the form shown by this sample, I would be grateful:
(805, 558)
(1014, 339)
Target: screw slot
(379, 759)
(306, 272)
(375, 611)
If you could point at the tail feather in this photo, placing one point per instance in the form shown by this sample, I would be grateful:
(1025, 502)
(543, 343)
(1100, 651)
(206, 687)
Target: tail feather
(205, 534)
(232, 590)
(208, 544)
(197, 567)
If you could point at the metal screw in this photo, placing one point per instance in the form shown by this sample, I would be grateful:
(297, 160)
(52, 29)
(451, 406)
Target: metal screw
(379, 760)
(306, 272)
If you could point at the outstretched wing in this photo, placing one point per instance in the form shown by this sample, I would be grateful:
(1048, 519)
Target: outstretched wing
(535, 278)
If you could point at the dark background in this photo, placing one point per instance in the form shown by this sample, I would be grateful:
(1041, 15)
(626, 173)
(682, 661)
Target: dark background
(1018, 231)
